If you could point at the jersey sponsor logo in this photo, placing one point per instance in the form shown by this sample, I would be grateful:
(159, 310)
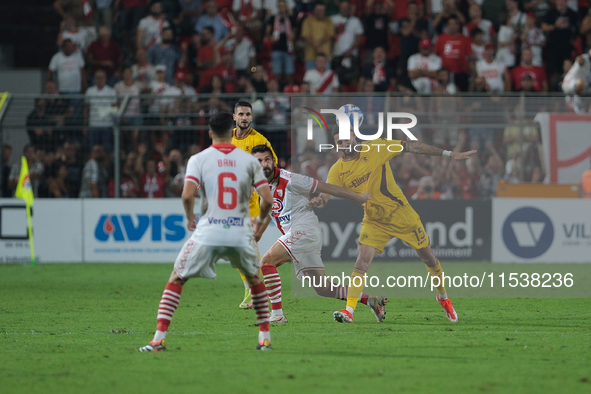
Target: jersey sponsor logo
(133, 228)
(277, 207)
(361, 180)
(284, 219)
(228, 222)
(344, 173)
(528, 232)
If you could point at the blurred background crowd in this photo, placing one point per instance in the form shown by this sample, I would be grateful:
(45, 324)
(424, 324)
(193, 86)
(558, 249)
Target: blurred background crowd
(203, 56)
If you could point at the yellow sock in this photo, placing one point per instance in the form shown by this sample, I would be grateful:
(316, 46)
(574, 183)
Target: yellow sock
(243, 279)
(355, 288)
(438, 272)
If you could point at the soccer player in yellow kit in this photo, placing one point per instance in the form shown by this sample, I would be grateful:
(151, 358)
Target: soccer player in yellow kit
(388, 213)
(246, 138)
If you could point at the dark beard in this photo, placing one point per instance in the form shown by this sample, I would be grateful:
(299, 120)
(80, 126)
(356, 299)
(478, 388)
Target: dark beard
(242, 127)
(268, 172)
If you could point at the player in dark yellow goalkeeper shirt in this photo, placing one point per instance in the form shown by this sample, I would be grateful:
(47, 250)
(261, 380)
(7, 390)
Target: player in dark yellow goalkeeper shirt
(388, 213)
(245, 138)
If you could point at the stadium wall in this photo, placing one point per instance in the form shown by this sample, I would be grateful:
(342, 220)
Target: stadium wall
(502, 230)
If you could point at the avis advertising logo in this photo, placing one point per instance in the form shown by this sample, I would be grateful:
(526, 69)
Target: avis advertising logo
(133, 228)
(528, 232)
(350, 116)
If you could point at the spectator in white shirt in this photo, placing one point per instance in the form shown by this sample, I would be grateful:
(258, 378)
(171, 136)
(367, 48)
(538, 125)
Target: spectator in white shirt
(150, 28)
(142, 71)
(423, 67)
(179, 89)
(243, 51)
(68, 66)
(494, 72)
(69, 29)
(101, 103)
(129, 87)
(345, 51)
(321, 79)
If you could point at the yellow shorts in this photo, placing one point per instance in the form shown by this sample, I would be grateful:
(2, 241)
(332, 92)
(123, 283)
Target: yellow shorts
(404, 224)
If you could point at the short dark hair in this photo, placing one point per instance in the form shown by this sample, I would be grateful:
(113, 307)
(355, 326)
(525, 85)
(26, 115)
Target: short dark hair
(27, 146)
(476, 31)
(262, 149)
(221, 124)
(242, 104)
(210, 29)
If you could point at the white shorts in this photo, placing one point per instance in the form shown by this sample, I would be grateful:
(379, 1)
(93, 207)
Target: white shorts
(569, 87)
(304, 244)
(199, 261)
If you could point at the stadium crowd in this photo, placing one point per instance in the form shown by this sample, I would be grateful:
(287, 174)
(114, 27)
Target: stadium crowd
(182, 49)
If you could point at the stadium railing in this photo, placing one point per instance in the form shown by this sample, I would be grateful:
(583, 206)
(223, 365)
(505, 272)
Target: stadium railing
(49, 121)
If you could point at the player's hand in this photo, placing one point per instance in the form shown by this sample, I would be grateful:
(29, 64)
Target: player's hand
(462, 155)
(316, 202)
(363, 198)
(192, 222)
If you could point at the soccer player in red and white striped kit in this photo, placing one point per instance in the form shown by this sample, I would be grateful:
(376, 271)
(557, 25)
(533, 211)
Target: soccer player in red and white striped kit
(226, 175)
(301, 241)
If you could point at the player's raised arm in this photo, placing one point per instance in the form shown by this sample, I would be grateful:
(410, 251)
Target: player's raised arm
(424, 149)
(332, 190)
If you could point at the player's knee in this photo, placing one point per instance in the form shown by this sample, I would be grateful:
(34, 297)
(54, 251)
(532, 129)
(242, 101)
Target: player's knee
(579, 86)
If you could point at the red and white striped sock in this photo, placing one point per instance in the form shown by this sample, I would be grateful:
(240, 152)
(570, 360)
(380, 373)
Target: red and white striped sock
(260, 303)
(273, 284)
(168, 304)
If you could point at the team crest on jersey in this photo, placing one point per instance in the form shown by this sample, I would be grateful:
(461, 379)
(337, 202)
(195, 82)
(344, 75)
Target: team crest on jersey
(277, 207)
(365, 159)
(280, 193)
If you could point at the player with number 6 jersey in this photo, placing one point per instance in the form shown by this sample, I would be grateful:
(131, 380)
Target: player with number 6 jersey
(225, 175)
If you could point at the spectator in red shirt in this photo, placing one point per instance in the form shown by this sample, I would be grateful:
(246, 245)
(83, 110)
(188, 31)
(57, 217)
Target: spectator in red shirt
(153, 182)
(206, 53)
(226, 70)
(455, 51)
(105, 54)
(538, 75)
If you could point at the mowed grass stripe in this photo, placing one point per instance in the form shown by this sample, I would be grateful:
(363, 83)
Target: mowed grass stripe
(75, 328)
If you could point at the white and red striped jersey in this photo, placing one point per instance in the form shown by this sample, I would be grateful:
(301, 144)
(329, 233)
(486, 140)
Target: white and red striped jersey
(290, 199)
(225, 176)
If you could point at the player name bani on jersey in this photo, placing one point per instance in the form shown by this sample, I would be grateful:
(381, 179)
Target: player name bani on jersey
(225, 175)
(290, 199)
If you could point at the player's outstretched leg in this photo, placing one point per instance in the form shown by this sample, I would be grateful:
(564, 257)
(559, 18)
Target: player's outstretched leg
(168, 304)
(260, 303)
(326, 289)
(247, 301)
(365, 255)
(273, 284)
(435, 270)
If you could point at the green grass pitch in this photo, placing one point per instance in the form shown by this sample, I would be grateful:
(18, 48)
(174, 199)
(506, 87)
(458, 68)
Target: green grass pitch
(76, 328)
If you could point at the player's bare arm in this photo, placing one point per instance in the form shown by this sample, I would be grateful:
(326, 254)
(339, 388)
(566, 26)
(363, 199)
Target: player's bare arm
(424, 149)
(320, 201)
(327, 188)
(188, 199)
(266, 204)
(259, 234)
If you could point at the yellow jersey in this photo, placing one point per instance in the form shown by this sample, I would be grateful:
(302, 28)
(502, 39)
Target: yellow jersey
(246, 143)
(370, 173)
